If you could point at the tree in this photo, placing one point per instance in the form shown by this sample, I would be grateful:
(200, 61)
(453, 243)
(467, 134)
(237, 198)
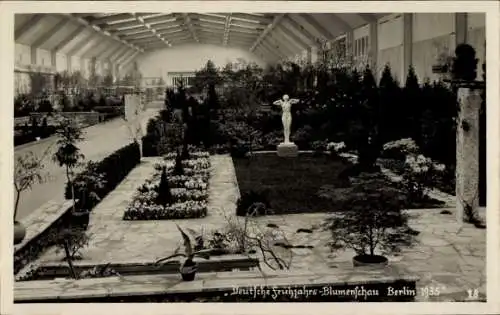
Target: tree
(27, 172)
(68, 155)
(391, 109)
(374, 220)
(368, 136)
(164, 197)
(413, 106)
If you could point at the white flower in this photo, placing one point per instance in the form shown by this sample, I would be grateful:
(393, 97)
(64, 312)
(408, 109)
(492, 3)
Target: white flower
(439, 167)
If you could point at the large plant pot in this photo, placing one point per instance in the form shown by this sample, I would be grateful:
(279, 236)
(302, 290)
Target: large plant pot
(19, 232)
(80, 219)
(188, 270)
(369, 260)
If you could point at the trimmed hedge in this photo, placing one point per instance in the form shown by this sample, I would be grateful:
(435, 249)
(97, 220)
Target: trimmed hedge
(115, 168)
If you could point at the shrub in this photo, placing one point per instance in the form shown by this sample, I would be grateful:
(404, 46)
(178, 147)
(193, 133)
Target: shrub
(399, 149)
(164, 197)
(374, 221)
(419, 174)
(114, 169)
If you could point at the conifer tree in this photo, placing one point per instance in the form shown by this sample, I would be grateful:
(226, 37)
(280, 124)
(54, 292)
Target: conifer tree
(164, 194)
(412, 107)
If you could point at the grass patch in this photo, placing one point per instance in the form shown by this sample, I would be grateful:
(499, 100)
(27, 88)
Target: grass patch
(304, 184)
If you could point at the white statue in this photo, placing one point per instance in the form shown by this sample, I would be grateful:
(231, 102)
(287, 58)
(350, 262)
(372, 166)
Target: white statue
(286, 105)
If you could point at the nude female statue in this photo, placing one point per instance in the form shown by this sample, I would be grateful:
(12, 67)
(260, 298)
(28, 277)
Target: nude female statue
(286, 105)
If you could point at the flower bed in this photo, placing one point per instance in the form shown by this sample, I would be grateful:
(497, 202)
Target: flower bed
(188, 192)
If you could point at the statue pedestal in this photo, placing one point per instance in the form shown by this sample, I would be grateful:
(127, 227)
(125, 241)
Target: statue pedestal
(288, 150)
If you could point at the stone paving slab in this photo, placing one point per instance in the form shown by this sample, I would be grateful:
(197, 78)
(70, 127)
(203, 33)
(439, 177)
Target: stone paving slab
(204, 282)
(449, 255)
(39, 220)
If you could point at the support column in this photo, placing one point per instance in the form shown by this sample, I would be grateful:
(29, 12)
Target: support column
(407, 45)
(373, 52)
(467, 169)
(68, 63)
(53, 60)
(349, 45)
(461, 25)
(33, 59)
(309, 55)
(314, 54)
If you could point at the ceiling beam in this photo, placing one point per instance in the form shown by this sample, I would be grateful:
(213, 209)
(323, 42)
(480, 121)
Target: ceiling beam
(97, 51)
(207, 19)
(131, 31)
(128, 60)
(272, 49)
(277, 46)
(152, 30)
(124, 56)
(92, 44)
(250, 17)
(281, 29)
(80, 44)
(119, 53)
(99, 30)
(112, 51)
(277, 19)
(299, 28)
(138, 36)
(189, 25)
(124, 25)
(65, 41)
(143, 41)
(161, 19)
(47, 35)
(285, 43)
(111, 18)
(32, 21)
(317, 26)
(227, 26)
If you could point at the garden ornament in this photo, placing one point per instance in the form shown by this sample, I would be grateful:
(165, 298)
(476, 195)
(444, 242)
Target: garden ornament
(286, 105)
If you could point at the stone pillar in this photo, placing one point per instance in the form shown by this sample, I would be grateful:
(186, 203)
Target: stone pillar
(407, 44)
(373, 47)
(467, 168)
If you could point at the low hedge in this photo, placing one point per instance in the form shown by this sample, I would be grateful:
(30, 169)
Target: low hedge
(115, 168)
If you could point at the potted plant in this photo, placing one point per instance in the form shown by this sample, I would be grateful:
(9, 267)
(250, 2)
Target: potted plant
(86, 186)
(68, 155)
(27, 172)
(189, 267)
(374, 223)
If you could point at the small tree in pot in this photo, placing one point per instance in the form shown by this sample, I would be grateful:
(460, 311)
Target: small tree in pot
(27, 172)
(189, 266)
(373, 222)
(69, 156)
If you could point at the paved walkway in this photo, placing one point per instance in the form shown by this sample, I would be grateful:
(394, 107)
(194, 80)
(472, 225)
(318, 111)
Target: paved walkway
(449, 257)
(100, 141)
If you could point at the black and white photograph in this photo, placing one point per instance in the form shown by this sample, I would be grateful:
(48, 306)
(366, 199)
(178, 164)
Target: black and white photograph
(173, 155)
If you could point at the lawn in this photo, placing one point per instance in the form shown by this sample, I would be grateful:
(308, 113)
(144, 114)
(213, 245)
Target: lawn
(305, 184)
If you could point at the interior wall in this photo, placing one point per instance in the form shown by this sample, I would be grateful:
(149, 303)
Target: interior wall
(390, 44)
(189, 58)
(432, 34)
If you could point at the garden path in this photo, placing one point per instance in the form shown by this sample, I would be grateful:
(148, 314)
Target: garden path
(100, 141)
(448, 256)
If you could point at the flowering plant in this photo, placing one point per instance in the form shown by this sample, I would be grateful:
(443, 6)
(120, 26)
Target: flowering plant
(420, 173)
(336, 147)
(399, 149)
(188, 193)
